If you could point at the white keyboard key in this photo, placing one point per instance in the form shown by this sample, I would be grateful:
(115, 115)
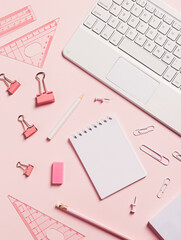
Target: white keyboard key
(115, 10)
(140, 40)
(168, 58)
(177, 81)
(116, 38)
(176, 64)
(160, 39)
(113, 22)
(107, 32)
(136, 10)
(142, 3)
(173, 34)
(169, 46)
(177, 26)
(149, 46)
(101, 13)
(122, 28)
(179, 40)
(133, 21)
(150, 8)
(151, 34)
(169, 75)
(118, 1)
(143, 56)
(168, 19)
(155, 22)
(163, 28)
(142, 27)
(124, 15)
(131, 34)
(89, 22)
(105, 4)
(158, 52)
(127, 4)
(159, 14)
(98, 27)
(145, 16)
(177, 52)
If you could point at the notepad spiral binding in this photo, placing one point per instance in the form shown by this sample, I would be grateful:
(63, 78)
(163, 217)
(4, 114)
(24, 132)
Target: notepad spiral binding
(92, 127)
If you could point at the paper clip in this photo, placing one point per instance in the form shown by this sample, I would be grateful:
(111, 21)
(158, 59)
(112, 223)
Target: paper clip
(27, 169)
(133, 207)
(101, 100)
(12, 86)
(163, 188)
(160, 158)
(30, 130)
(177, 155)
(43, 97)
(142, 131)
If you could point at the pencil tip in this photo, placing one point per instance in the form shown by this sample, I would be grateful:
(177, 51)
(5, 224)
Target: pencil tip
(81, 96)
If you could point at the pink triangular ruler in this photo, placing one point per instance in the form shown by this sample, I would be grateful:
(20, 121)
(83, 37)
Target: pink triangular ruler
(31, 48)
(41, 225)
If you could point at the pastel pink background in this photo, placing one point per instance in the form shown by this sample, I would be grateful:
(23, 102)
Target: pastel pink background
(68, 82)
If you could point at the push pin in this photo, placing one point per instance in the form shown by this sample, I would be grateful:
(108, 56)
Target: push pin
(27, 169)
(43, 97)
(101, 100)
(133, 207)
(30, 130)
(12, 86)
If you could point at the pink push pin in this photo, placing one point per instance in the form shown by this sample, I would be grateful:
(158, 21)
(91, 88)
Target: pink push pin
(27, 169)
(30, 130)
(133, 207)
(44, 97)
(101, 100)
(12, 86)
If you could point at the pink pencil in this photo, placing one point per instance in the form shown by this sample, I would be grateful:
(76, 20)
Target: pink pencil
(91, 221)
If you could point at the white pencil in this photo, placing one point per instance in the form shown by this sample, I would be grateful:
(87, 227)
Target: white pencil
(67, 114)
(91, 221)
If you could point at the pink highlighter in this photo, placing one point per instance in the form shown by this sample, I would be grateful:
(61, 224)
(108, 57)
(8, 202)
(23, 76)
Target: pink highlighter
(57, 173)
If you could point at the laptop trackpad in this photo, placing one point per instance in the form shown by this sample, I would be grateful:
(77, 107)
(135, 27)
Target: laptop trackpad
(132, 80)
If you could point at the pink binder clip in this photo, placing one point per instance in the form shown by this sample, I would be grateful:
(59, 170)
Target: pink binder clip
(43, 97)
(12, 86)
(30, 130)
(27, 169)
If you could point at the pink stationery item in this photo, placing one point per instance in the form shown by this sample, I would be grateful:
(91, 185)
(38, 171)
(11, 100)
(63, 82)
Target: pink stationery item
(44, 97)
(12, 86)
(32, 48)
(15, 20)
(67, 209)
(41, 226)
(30, 130)
(27, 169)
(57, 173)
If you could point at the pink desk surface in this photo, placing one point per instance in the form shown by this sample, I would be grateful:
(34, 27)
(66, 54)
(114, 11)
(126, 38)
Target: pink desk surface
(68, 82)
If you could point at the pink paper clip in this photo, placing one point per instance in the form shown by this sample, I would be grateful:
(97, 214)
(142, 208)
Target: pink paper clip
(30, 130)
(43, 97)
(27, 169)
(12, 86)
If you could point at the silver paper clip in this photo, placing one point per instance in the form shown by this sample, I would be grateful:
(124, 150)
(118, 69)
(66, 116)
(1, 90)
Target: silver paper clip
(177, 155)
(142, 131)
(163, 188)
(160, 158)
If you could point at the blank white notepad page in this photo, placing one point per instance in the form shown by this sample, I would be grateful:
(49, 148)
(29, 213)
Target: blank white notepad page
(107, 156)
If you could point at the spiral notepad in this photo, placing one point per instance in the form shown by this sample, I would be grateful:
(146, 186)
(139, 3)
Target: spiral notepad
(107, 156)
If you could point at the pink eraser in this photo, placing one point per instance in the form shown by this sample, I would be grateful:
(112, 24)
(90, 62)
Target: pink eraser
(57, 173)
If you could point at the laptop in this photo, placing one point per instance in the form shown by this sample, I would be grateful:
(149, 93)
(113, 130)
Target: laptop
(134, 47)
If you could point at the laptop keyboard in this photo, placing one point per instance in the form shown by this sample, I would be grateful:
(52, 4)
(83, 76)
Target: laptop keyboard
(145, 32)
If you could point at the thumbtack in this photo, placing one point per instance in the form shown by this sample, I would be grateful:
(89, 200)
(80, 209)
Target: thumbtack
(27, 169)
(101, 100)
(12, 86)
(44, 97)
(30, 130)
(133, 207)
